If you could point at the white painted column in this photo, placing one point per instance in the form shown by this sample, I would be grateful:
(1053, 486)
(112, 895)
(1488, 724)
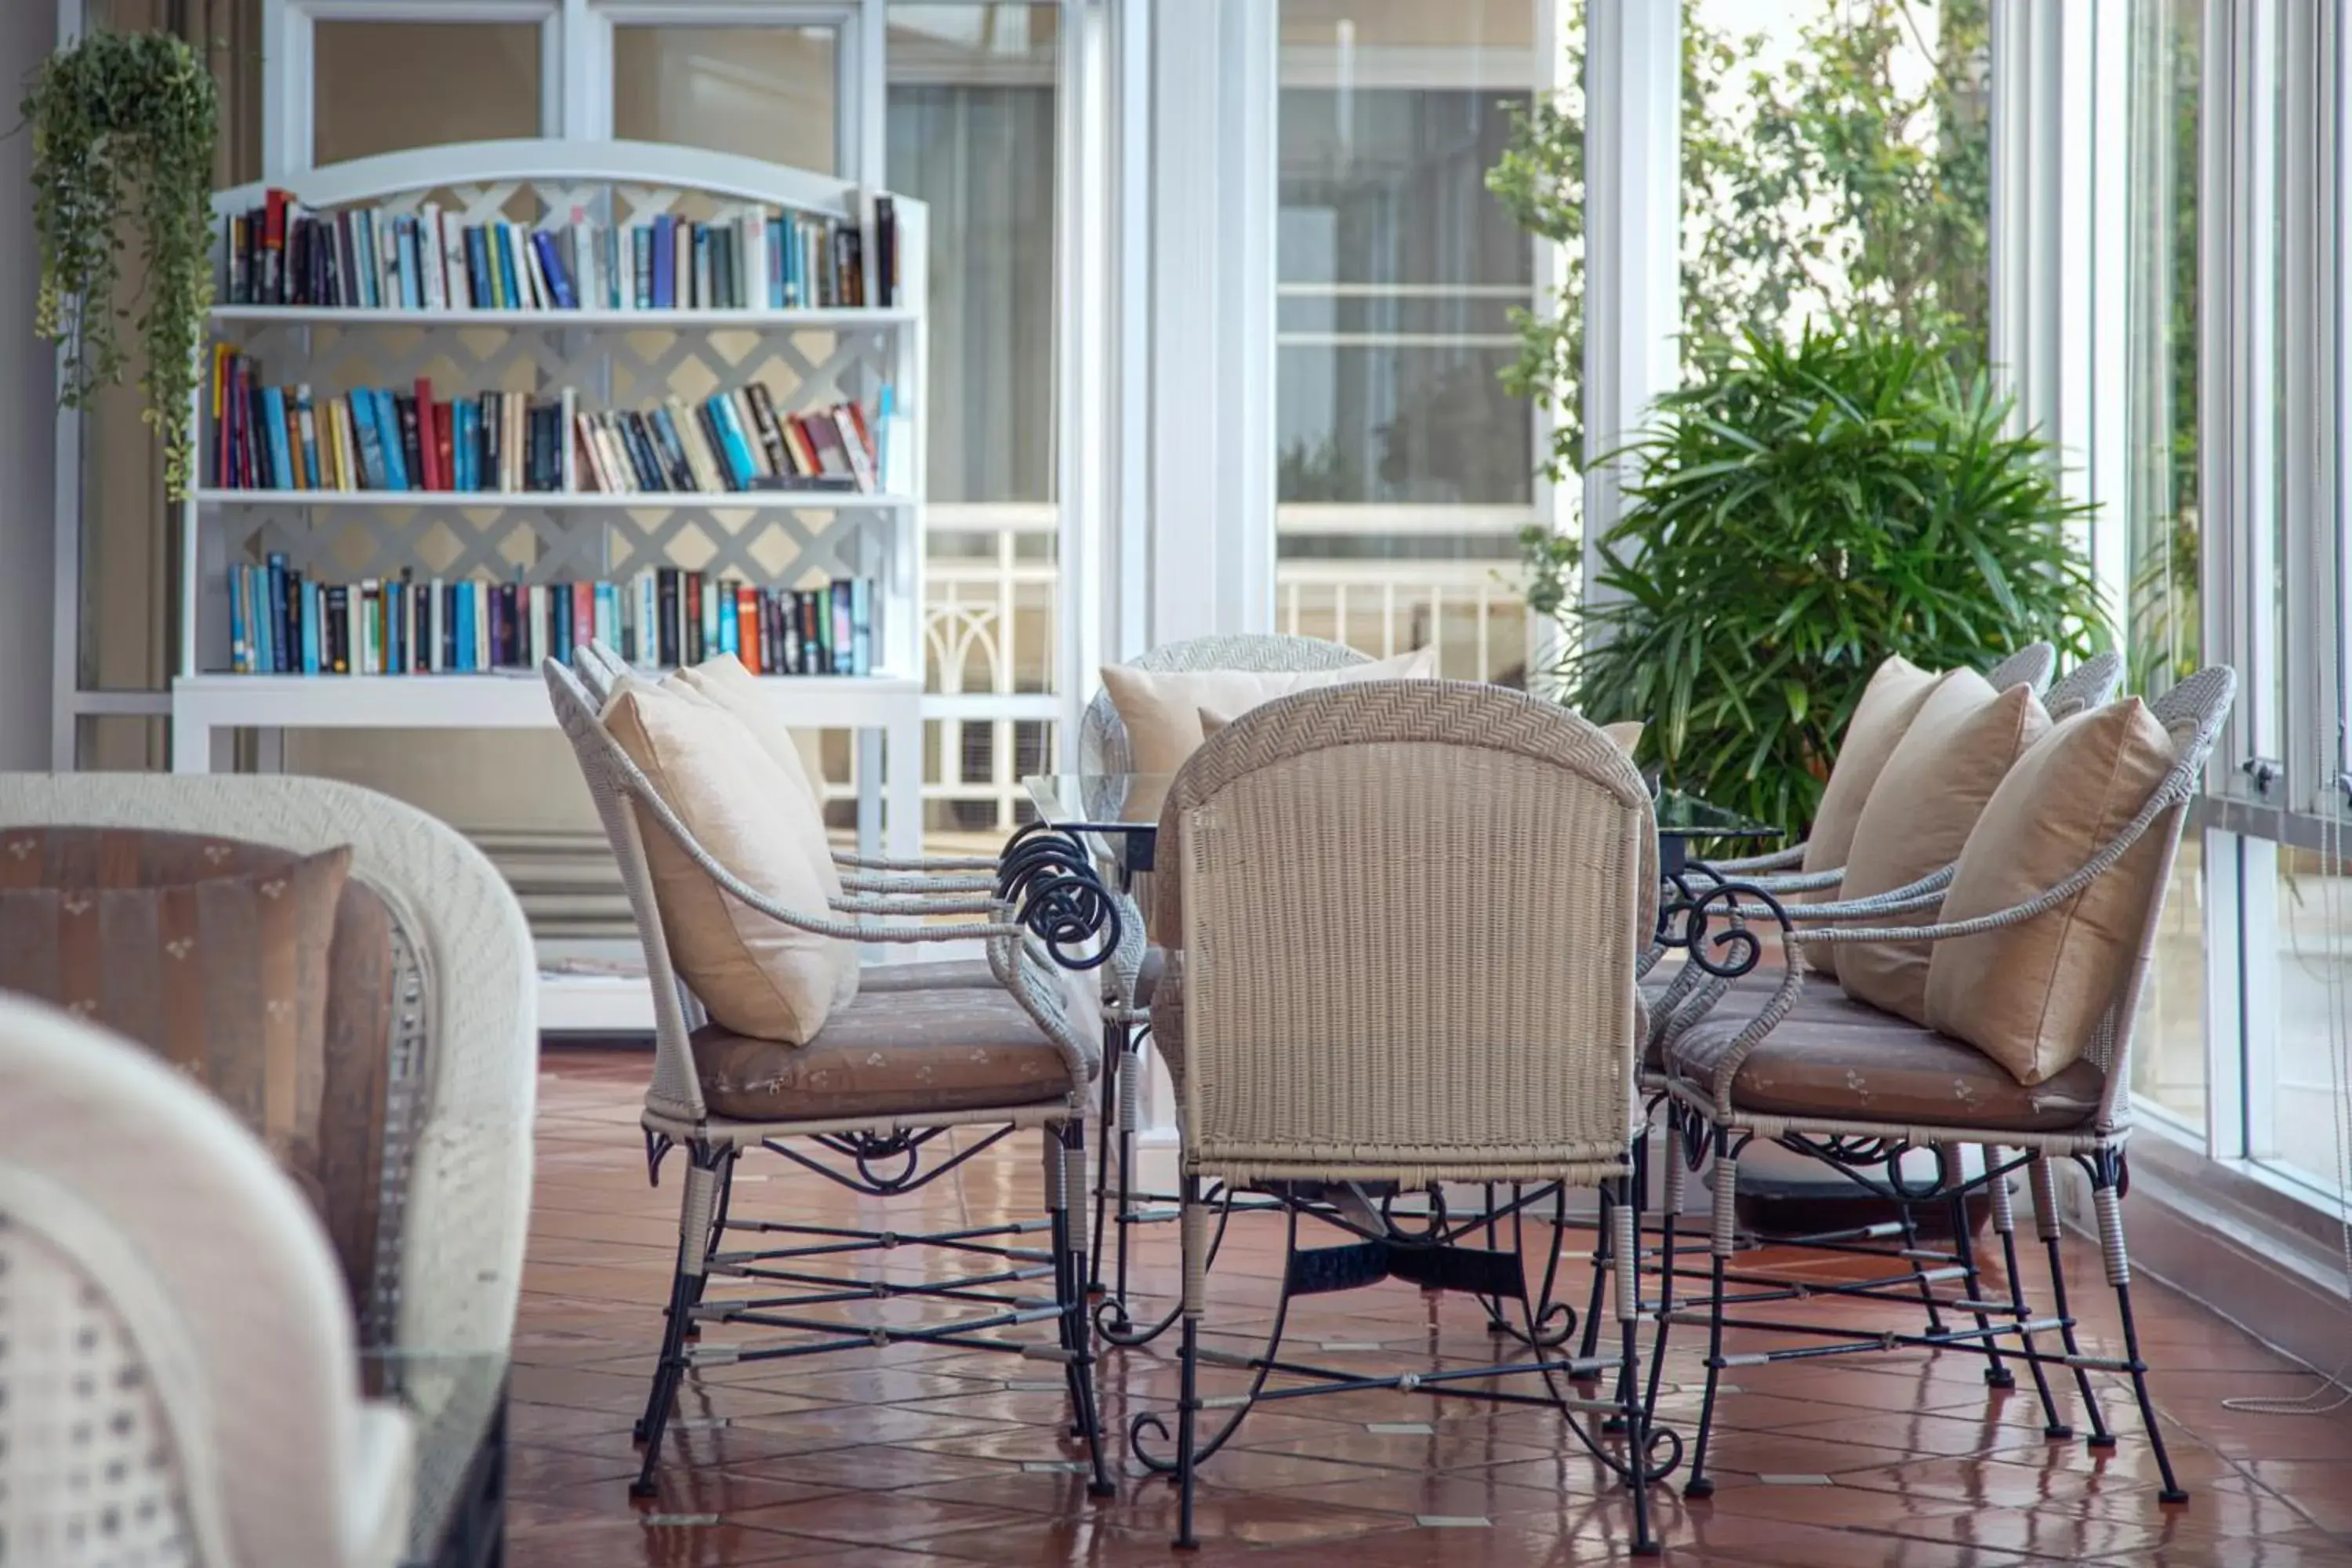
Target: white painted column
(1632, 224)
(1210, 529)
(28, 431)
(2058, 226)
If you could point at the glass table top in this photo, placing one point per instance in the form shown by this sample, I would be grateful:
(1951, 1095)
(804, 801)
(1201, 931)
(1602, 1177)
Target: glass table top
(1130, 802)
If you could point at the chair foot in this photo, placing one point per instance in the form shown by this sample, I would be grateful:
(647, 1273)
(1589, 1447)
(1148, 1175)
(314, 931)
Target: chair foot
(2103, 1442)
(2058, 1433)
(643, 1489)
(1102, 1488)
(1999, 1377)
(2176, 1496)
(1700, 1486)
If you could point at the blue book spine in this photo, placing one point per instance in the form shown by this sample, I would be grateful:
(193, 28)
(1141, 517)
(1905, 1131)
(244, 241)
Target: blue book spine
(464, 627)
(388, 430)
(240, 659)
(789, 243)
(478, 270)
(730, 640)
(861, 626)
(558, 630)
(363, 255)
(306, 420)
(775, 279)
(608, 616)
(282, 460)
(550, 262)
(275, 616)
(664, 258)
(411, 266)
(314, 600)
(466, 437)
(254, 580)
(737, 450)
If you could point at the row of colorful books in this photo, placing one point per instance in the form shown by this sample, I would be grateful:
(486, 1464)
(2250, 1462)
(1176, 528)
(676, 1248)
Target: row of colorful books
(276, 437)
(283, 623)
(369, 258)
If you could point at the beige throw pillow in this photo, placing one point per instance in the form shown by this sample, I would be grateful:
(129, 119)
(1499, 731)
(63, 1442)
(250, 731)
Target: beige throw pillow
(1212, 721)
(1889, 703)
(1624, 736)
(1161, 709)
(1961, 744)
(756, 975)
(725, 681)
(2030, 995)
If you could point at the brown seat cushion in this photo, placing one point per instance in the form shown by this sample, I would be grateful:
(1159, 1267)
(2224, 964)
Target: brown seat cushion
(2032, 995)
(904, 1053)
(346, 1180)
(1883, 1068)
(940, 974)
(1958, 748)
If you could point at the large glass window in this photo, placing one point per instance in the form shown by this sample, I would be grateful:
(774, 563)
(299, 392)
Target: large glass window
(384, 87)
(2163, 619)
(970, 122)
(761, 92)
(1405, 471)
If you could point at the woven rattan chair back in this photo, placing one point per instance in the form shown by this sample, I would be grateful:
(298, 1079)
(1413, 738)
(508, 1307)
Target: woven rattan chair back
(1409, 913)
(1102, 739)
(2090, 684)
(2192, 712)
(2031, 664)
(179, 1383)
(676, 1090)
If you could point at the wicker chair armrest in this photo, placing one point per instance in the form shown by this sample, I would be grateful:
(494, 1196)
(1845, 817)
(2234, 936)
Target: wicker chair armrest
(961, 885)
(1926, 893)
(912, 908)
(1795, 882)
(926, 865)
(1779, 859)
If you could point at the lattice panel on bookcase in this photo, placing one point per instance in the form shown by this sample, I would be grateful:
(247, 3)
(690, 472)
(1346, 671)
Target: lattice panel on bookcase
(771, 548)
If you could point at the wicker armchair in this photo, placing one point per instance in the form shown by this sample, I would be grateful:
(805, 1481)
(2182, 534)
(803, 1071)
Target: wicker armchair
(1340, 1016)
(875, 1125)
(445, 1268)
(178, 1384)
(1129, 982)
(1856, 1088)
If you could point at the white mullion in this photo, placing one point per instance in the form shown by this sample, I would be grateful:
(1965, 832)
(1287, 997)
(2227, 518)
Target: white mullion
(2256, 393)
(2337, 508)
(1127, 539)
(2307, 210)
(1081, 267)
(2225, 1079)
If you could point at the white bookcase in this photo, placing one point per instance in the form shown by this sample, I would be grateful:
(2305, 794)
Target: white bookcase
(808, 357)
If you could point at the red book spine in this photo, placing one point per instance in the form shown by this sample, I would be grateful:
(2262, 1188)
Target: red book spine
(445, 442)
(428, 440)
(747, 629)
(584, 613)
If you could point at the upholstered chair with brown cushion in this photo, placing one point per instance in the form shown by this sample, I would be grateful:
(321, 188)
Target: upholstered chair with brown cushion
(422, 1089)
(177, 1379)
(1336, 1014)
(2036, 947)
(860, 1083)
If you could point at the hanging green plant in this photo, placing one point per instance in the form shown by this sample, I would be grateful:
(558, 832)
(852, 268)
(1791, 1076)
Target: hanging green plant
(125, 126)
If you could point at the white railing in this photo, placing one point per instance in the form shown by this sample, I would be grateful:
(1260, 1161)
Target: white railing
(991, 617)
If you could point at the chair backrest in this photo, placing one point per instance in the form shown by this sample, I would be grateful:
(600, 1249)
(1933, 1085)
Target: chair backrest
(2031, 664)
(466, 1003)
(2090, 684)
(1409, 913)
(612, 779)
(1102, 738)
(2192, 712)
(179, 1384)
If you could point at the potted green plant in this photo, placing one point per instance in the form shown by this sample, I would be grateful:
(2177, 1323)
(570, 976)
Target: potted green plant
(1796, 514)
(125, 126)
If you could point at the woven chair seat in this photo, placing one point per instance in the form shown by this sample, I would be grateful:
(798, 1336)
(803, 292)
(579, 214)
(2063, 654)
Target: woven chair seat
(889, 1053)
(1863, 1065)
(1821, 999)
(940, 975)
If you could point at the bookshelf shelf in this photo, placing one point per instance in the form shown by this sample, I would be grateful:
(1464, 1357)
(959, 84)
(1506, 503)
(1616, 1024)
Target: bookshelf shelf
(813, 317)
(807, 359)
(560, 501)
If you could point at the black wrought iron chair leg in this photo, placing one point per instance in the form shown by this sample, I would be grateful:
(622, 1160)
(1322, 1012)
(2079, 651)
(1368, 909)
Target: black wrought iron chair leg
(2004, 1225)
(2041, 1180)
(1910, 1223)
(1589, 1346)
(1114, 1048)
(1632, 1412)
(697, 1206)
(2107, 1198)
(1964, 1252)
(717, 1235)
(1188, 1408)
(1077, 1327)
(1130, 1101)
(1726, 1223)
(1671, 1207)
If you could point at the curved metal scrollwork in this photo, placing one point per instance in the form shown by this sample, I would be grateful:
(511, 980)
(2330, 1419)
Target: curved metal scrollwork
(1698, 899)
(1047, 876)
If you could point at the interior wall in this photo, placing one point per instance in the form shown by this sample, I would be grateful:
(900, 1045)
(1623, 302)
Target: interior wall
(27, 428)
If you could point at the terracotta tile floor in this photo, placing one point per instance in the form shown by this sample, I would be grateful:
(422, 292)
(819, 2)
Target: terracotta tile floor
(911, 1454)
